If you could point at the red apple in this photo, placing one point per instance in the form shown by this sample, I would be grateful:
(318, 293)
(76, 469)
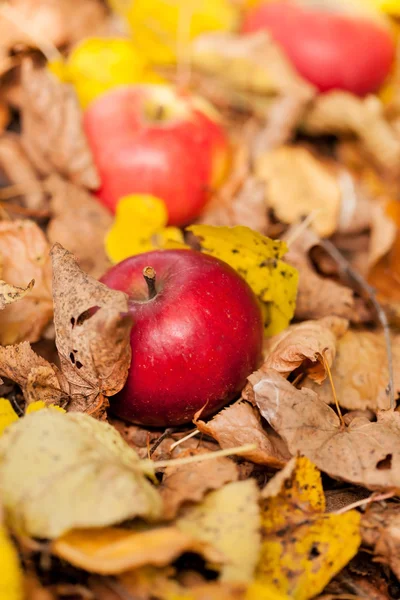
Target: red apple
(332, 50)
(195, 338)
(151, 139)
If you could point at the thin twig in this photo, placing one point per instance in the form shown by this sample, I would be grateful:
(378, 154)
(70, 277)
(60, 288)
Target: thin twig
(328, 370)
(373, 498)
(178, 462)
(162, 437)
(184, 439)
(347, 269)
(302, 226)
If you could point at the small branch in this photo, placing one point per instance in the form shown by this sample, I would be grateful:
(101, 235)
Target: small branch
(184, 439)
(162, 437)
(177, 462)
(150, 277)
(347, 269)
(365, 501)
(328, 370)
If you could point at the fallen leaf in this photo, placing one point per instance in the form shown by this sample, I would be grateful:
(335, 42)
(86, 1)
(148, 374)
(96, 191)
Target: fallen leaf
(47, 458)
(11, 587)
(239, 424)
(113, 550)
(38, 379)
(24, 255)
(357, 384)
(52, 133)
(11, 293)
(380, 526)
(139, 226)
(298, 183)
(304, 346)
(383, 234)
(362, 453)
(7, 415)
(229, 520)
(79, 223)
(258, 260)
(182, 484)
(302, 546)
(341, 113)
(92, 332)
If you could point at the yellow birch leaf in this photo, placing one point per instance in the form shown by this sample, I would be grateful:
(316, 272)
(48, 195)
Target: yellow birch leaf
(7, 414)
(40, 405)
(229, 520)
(140, 226)
(11, 577)
(302, 546)
(64, 471)
(113, 550)
(97, 64)
(258, 260)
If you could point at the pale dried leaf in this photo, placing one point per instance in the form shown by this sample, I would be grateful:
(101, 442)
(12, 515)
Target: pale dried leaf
(49, 458)
(363, 453)
(360, 371)
(19, 170)
(189, 483)
(383, 233)
(24, 255)
(304, 346)
(341, 113)
(239, 424)
(52, 132)
(380, 528)
(92, 331)
(298, 183)
(79, 223)
(11, 293)
(38, 379)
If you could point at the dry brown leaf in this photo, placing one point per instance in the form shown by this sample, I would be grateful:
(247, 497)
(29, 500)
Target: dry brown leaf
(298, 183)
(18, 169)
(304, 346)
(319, 296)
(11, 293)
(79, 223)
(5, 116)
(239, 424)
(380, 528)
(38, 379)
(24, 255)
(92, 332)
(52, 133)
(363, 453)
(383, 234)
(341, 113)
(184, 483)
(360, 371)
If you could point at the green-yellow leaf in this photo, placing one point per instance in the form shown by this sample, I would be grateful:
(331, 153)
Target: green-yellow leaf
(229, 520)
(258, 260)
(63, 471)
(303, 547)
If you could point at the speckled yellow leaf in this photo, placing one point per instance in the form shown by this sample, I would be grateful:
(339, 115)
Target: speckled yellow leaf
(63, 471)
(11, 576)
(139, 226)
(229, 520)
(302, 546)
(258, 260)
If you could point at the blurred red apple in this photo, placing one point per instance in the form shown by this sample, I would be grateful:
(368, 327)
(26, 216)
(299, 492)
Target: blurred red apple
(197, 335)
(151, 139)
(329, 48)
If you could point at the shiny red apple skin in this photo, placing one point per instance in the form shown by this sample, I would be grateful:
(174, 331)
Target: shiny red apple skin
(193, 344)
(178, 160)
(329, 49)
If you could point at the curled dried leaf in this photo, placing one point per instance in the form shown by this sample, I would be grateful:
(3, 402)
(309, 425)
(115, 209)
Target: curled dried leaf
(11, 293)
(380, 530)
(52, 133)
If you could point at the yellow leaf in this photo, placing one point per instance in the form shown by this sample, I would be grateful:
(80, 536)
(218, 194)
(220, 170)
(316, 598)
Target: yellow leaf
(40, 405)
(7, 414)
(113, 550)
(98, 64)
(302, 547)
(258, 260)
(162, 29)
(11, 576)
(64, 471)
(229, 520)
(140, 226)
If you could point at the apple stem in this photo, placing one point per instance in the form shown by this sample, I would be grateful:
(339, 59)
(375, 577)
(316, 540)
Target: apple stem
(149, 275)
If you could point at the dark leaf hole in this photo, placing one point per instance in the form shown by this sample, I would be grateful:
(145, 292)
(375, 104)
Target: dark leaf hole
(314, 552)
(72, 357)
(73, 322)
(385, 464)
(87, 314)
(79, 365)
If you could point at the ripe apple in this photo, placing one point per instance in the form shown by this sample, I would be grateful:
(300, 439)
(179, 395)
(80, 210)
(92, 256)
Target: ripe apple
(151, 139)
(331, 49)
(197, 335)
